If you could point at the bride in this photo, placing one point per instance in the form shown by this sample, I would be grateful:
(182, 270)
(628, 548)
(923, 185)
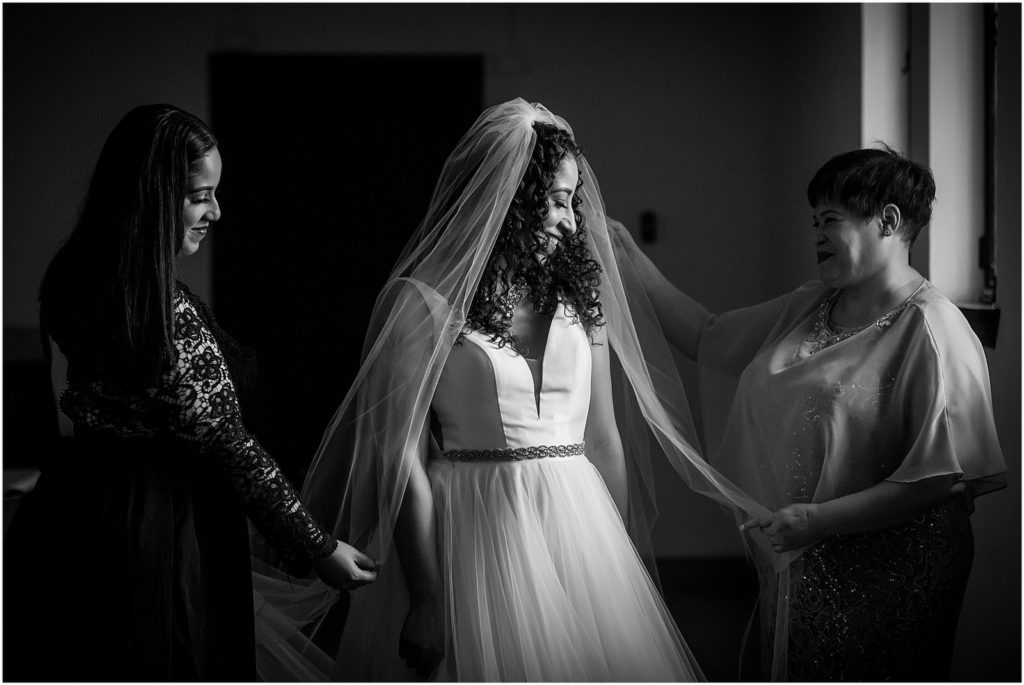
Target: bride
(479, 435)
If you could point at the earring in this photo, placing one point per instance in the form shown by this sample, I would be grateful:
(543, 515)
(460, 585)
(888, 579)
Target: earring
(887, 231)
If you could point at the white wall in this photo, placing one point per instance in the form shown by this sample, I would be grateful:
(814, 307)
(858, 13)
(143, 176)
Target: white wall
(885, 75)
(956, 106)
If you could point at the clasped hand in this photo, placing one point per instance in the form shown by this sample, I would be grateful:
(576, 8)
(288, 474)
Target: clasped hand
(791, 527)
(346, 568)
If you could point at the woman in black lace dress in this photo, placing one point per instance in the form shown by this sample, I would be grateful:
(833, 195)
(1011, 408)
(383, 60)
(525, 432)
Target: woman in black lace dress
(138, 537)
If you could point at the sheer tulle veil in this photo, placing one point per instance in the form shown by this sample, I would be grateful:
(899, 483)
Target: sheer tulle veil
(358, 476)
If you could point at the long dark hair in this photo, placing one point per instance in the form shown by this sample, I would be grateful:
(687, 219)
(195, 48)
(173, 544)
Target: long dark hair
(107, 296)
(569, 271)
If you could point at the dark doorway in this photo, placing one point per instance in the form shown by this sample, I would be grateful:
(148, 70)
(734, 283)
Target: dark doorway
(329, 164)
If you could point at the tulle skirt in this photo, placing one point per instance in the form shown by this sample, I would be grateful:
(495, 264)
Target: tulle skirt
(543, 581)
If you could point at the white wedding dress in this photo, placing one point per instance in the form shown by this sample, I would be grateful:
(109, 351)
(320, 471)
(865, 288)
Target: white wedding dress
(542, 581)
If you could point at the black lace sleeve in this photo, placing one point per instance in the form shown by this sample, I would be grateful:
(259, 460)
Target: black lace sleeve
(206, 412)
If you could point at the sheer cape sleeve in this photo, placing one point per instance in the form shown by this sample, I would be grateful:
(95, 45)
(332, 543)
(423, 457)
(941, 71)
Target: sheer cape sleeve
(729, 341)
(948, 400)
(904, 399)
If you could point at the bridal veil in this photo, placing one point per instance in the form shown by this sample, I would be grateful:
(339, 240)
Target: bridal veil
(359, 474)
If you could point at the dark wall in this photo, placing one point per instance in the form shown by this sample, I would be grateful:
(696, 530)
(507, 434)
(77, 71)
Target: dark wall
(711, 116)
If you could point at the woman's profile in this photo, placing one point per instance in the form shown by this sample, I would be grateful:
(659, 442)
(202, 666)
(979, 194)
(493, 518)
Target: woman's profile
(509, 532)
(133, 556)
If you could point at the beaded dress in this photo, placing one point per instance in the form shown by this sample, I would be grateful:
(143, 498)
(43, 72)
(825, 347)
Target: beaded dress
(822, 412)
(149, 576)
(542, 580)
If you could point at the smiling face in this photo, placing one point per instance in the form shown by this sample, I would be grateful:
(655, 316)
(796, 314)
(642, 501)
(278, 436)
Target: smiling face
(851, 249)
(560, 222)
(201, 206)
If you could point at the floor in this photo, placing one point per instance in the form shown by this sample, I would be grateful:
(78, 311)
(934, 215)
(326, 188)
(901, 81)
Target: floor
(712, 601)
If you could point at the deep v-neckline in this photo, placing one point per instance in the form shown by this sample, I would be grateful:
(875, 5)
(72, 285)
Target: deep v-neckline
(538, 383)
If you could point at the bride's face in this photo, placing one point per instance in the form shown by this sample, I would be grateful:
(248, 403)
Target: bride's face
(560, 222)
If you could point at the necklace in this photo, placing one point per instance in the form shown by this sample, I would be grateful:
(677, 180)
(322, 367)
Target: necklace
(509, 299)
(824, 333)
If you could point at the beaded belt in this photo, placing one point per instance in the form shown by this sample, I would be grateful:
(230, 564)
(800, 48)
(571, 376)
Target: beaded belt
(516, 453)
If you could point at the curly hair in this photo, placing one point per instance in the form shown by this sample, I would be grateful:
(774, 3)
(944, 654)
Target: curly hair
(521, 250)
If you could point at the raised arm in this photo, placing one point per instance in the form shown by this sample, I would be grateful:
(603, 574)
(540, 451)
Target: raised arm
(682, 318)
(604, 445)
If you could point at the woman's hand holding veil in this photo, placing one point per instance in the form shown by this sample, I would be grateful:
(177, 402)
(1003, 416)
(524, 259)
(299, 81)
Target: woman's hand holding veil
(794, 526)
(346, 568)
(882, 505)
